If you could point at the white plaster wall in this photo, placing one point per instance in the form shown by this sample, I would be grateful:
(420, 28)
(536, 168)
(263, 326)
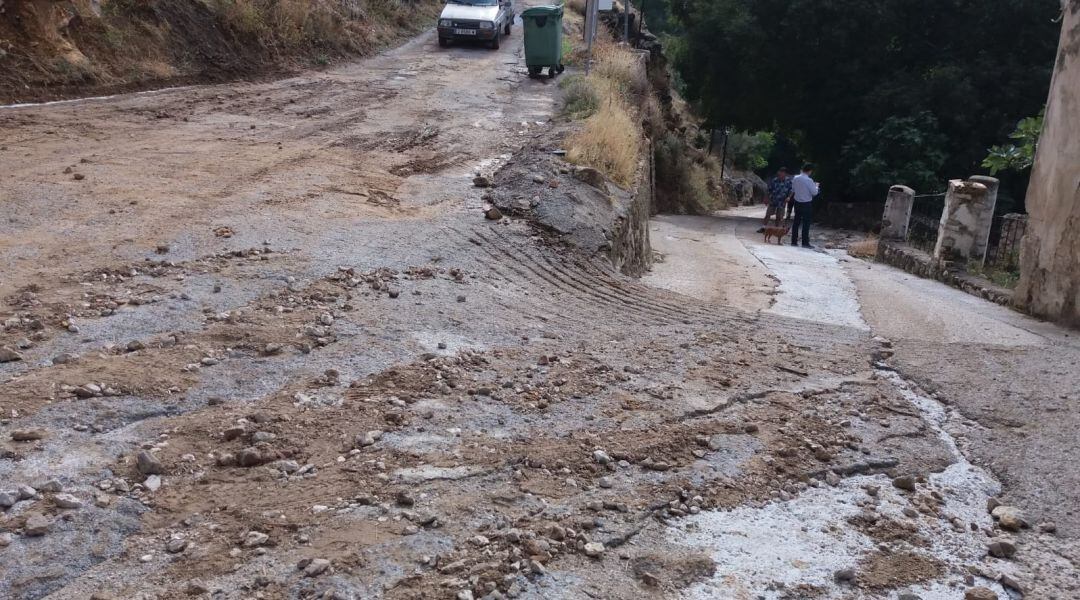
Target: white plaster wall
(1050, 258)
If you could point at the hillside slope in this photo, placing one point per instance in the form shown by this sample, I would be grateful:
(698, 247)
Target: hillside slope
(51, 49)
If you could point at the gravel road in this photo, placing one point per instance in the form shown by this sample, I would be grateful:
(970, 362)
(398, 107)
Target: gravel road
(262, 343)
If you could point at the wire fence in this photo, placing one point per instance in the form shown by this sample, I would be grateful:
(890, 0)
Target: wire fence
(925, 218)
(1003, 247)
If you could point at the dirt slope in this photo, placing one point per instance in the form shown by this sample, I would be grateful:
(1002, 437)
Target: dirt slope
(61, 48)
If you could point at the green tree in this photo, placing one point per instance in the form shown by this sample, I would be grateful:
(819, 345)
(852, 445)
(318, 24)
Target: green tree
(830, 72)
(750, 150)
(899, 150)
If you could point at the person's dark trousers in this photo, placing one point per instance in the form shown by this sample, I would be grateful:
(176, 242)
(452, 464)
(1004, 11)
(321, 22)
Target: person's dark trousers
(804, 212)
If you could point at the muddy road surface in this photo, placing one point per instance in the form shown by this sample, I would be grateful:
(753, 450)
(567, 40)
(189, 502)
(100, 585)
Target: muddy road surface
(259, 341)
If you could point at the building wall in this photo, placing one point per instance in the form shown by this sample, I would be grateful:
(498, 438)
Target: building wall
(1050, 257)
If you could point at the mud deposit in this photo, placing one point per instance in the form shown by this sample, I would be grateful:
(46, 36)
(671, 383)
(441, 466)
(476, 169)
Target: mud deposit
(260, 341)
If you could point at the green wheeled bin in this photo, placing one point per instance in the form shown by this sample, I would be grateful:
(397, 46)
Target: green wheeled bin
(543, 39)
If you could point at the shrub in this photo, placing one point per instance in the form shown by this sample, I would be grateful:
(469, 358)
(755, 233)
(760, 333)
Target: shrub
(580, 97)
(682, 183)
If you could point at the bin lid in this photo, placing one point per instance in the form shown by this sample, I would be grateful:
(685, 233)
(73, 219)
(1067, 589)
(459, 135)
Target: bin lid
(554, 10)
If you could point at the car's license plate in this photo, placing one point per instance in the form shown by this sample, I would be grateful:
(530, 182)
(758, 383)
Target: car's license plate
(465, 32)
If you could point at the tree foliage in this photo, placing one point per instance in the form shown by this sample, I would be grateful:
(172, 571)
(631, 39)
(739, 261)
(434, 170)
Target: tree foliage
(1021, 155)
(750, 150)
(845, 78)
(899, 150)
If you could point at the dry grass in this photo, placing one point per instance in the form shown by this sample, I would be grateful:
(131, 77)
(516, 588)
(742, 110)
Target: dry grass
(622, 66)
(614, 98)
(864, 248)
(610, 141)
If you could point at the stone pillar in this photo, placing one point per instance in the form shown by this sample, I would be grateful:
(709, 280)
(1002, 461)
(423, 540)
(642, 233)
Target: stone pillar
(894, 222)
(983, 230)
(958, 233)
(1050, 255)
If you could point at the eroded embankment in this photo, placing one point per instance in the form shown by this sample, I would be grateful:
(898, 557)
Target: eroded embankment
(72, 48)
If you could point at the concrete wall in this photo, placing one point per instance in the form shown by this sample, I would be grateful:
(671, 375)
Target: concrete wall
(897, 216)
(1050, 257)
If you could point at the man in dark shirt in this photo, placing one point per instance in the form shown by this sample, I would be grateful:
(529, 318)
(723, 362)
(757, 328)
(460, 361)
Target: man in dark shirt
(779, 194)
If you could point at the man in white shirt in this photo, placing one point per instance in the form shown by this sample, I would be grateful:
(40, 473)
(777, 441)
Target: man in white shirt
(804, 188)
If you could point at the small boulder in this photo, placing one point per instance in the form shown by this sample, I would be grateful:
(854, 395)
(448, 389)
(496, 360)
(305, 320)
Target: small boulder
(9, 355)
(153, 483)
(493, 214)
(254, 539)
(50, 487)
(148, 464)
(1010, 518)
(844, 576)
(980, 593)
(1009, 582)
(316, 567)
(363, 440)
(27, 435)
(594, 549)
(67, 501)
(65, 358)
(904, 482)
(253, 457)
(1001, 548)
(590, 176)
(37, 525)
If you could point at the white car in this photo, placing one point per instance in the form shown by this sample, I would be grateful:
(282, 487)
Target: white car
(483, 20)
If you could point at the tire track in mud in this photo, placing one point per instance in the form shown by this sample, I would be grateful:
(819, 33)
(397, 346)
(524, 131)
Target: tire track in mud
(543, 275)
(582, 279)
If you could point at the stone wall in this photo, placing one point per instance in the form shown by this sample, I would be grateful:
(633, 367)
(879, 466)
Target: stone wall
(1050, 257)
(631, 250)
(917, 262)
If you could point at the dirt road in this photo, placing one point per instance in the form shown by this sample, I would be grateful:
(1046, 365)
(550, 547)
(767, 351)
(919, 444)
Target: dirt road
(270, 348)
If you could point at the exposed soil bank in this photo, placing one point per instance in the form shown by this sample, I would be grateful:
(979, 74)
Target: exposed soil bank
(51, 50)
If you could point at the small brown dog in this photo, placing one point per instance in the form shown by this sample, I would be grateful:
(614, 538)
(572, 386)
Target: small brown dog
(778, 232)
